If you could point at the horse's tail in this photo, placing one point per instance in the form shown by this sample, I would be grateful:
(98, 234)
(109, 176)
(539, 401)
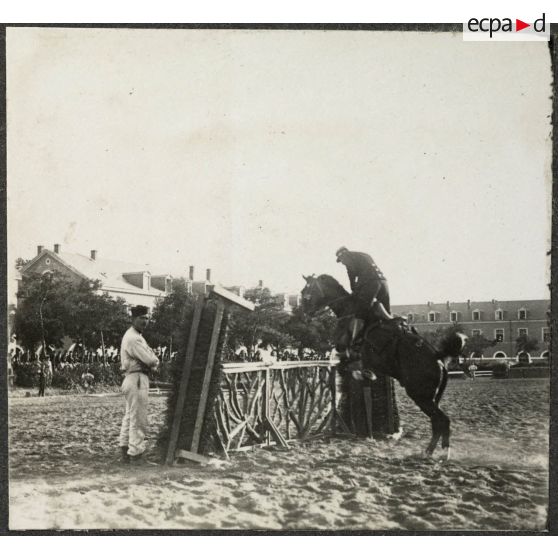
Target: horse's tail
(452, 345)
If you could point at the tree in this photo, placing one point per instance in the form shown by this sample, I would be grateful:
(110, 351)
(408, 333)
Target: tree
(43, 313)
(51, 306)
(164, 329)
(476, 344)
(435, 337)
(266, 323)
(526, 344)
(316, 332)
(20, 262)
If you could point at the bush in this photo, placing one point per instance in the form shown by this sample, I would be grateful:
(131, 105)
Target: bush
(67, 375)
(501, 370)
(26, 374)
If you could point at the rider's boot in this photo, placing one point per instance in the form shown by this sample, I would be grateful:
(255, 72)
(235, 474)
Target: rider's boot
(357, 325)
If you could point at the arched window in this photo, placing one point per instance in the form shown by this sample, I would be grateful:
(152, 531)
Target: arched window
(545, 354)
(500, 354)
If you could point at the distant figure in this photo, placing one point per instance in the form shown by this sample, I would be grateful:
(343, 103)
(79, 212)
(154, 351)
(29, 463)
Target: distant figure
(87, 380)
(137, 360)
(42, 378)
(472, 369)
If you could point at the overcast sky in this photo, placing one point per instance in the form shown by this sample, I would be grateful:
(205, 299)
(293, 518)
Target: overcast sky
(258, 153)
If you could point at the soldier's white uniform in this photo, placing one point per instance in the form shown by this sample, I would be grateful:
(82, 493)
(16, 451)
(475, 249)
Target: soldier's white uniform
(137, 359)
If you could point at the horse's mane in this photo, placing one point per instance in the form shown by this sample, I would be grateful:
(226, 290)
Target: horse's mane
(329, 282)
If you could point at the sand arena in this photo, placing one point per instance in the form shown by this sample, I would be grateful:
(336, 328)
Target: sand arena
(64, 471)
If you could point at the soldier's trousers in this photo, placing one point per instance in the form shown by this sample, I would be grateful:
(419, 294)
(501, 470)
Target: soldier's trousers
(366, 291)
(135, 388)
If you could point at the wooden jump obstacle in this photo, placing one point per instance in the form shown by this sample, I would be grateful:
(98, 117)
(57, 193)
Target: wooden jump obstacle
(219, 408)
(200, 365)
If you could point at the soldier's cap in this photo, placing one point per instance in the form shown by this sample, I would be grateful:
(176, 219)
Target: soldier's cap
(139, 311)
(340, 252)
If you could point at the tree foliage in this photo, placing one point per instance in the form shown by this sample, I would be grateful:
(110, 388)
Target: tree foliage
(476, 344)
(316, 332)
(164, 328)
(266, 324)
(526, 344)
(51, 307)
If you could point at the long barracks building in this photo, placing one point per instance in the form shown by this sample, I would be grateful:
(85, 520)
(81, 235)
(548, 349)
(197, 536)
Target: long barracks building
(501, 320)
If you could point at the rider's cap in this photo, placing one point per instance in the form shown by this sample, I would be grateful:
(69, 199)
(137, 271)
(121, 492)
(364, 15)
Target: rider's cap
(340, 252)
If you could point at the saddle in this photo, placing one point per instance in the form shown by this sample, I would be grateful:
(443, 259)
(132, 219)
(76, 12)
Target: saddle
(383, 337)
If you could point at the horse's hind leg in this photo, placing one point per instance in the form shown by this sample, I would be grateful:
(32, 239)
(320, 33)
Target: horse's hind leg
(440, 429)
(440, 425)
(445, 433)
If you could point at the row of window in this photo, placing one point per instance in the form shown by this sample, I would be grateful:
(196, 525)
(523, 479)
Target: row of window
(499, 334)
(476, 316)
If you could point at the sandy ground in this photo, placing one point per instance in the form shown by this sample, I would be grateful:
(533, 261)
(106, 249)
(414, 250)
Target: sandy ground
(65, 474)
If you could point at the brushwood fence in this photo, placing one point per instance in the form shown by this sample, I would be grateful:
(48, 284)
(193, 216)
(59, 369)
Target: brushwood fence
(260, 404)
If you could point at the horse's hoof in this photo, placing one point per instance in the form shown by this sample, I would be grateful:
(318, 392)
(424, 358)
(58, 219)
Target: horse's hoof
(447, 457)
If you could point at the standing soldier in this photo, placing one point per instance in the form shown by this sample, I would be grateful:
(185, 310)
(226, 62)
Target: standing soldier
(42, 377)
(137, 359)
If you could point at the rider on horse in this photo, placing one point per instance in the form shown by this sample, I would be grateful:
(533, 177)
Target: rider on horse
(369, 287)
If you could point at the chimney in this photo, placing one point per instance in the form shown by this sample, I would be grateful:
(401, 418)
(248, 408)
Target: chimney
(93, 254)
(468, 304)
(191, 273)
(447, 304)
(260, 284)
(39, 249)
(208, 275)
(57, 248)
(429, 304)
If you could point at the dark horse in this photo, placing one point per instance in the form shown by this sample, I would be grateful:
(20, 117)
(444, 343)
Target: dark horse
(392, 349)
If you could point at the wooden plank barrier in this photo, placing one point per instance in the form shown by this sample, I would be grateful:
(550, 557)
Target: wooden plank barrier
(200, 365)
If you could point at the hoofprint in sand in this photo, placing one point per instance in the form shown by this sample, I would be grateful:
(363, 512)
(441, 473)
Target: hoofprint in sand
(64, 471)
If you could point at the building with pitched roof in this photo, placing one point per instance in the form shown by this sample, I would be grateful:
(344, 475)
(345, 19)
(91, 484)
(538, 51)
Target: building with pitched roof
(135, 283)
(500, 320)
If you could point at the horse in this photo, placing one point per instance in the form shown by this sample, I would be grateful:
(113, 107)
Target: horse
(394, 350)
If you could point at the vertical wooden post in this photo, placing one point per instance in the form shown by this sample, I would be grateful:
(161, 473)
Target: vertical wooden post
(367, 394)
(390, 414)
(333, 388)
(186, 370)
(207, 376)
(267, 381)
(271, 429)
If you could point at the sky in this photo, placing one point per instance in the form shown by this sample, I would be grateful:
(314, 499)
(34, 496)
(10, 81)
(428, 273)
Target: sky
(258, 153)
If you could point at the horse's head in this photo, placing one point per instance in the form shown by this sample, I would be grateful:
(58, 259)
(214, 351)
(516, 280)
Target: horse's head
(313, 296)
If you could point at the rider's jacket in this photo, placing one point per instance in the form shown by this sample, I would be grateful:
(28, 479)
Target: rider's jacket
(362, 269)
